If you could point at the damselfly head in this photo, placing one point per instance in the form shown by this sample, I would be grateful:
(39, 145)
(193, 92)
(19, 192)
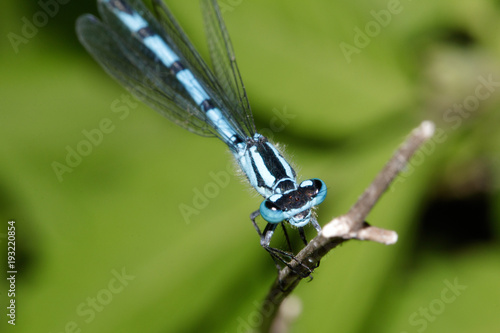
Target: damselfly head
(294, 205)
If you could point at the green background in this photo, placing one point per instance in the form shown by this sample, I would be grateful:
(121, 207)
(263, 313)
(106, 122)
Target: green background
(118, 211)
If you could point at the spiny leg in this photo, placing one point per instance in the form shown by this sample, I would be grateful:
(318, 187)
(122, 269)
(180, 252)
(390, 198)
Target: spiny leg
(304, 239)
(287, 238)
(268, 232)
(265, 240)
(276, 254)
(316, 226)
(253, 216)
(302, 235)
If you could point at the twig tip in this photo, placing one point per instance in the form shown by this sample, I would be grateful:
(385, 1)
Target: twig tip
(391, 238)
(428, 128)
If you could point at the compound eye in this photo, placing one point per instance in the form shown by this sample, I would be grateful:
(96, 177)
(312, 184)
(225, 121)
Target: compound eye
(315, 189)
(271, 212)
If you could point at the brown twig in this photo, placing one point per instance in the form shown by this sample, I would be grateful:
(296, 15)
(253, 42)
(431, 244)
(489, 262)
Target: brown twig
(349, 226)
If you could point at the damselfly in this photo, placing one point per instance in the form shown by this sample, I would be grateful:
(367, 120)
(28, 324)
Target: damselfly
(152, 57)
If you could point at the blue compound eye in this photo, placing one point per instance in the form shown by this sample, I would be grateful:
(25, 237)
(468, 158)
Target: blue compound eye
(270, 212)
(315, 189)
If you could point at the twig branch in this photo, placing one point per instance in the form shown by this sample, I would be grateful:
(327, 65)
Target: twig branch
(349, 226)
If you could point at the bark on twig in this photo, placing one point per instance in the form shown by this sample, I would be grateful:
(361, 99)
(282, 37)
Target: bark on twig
(349, 226)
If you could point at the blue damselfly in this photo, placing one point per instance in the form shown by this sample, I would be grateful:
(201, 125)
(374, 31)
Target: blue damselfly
(152, 57)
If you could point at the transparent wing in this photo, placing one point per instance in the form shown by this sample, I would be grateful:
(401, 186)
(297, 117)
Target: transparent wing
(136, 69)
(224, 61)
(225, 87)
